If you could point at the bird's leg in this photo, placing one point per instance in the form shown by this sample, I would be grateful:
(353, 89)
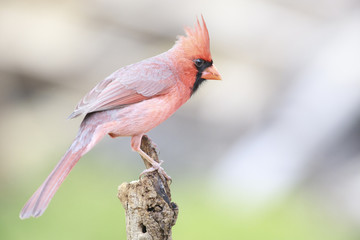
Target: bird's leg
(155, 165)
(135, 145)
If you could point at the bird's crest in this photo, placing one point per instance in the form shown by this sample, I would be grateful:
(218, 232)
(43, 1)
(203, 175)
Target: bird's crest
(196, 43)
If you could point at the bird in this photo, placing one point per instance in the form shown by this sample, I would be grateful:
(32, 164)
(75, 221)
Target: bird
(132, 101)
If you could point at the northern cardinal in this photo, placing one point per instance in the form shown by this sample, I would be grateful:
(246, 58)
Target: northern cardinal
(132, 101)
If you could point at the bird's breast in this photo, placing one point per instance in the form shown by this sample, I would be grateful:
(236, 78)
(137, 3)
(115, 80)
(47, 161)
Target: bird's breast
(141, 117)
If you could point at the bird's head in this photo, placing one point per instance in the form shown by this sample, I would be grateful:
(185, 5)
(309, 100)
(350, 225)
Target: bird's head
(194, 56)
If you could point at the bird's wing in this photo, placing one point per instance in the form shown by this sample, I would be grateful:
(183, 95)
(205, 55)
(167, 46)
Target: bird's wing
(128, 85)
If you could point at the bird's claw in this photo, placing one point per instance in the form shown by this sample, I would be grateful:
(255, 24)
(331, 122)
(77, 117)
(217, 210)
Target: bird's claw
(159, 169)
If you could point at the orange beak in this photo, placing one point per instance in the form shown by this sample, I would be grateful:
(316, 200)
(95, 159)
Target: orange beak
(211, 73)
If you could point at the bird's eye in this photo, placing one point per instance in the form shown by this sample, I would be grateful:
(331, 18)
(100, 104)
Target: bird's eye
(199, 62)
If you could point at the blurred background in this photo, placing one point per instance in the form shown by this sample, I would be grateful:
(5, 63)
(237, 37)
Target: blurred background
(270, 152)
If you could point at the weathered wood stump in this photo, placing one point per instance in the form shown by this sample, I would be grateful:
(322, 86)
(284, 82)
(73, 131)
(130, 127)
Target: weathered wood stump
(149, 212)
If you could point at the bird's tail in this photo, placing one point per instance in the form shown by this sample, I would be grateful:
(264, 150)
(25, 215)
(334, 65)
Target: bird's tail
(39, 201)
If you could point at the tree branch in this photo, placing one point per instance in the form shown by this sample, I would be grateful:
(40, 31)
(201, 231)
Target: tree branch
(150, 214)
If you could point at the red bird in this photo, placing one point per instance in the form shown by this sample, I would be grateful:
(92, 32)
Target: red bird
(132, 101)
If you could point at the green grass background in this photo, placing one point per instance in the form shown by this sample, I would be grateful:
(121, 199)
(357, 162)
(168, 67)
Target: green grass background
(86, 207)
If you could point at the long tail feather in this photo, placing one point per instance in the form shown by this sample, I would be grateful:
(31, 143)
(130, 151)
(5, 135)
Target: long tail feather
(39, 201)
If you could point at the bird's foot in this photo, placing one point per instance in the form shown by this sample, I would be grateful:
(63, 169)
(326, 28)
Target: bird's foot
(159, 169)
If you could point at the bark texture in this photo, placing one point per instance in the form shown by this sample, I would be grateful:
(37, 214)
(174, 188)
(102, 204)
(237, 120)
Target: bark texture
(150, 214)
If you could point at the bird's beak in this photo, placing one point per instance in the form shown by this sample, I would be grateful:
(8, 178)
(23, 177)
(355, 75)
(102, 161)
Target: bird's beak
(211, 73)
